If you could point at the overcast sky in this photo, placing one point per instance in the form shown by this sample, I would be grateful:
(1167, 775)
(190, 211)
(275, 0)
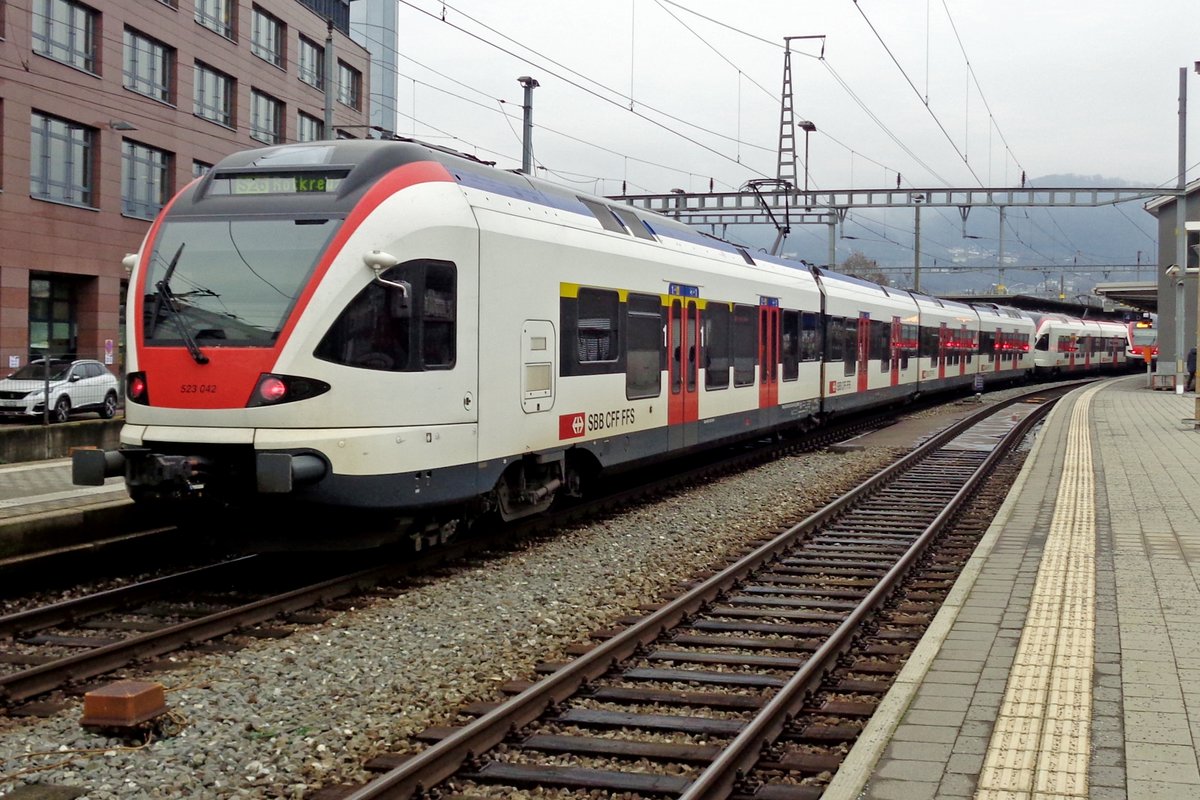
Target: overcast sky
(644, 96)
(1053, 86)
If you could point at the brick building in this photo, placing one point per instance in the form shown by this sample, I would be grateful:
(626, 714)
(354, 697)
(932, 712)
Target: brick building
(108, 108)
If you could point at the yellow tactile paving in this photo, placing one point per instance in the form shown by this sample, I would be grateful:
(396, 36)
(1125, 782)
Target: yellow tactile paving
(1040, 743)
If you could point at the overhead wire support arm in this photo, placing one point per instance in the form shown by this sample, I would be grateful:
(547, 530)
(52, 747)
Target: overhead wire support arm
(784, 188)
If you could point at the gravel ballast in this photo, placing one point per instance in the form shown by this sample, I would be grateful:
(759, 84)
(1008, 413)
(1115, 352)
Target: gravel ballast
(283, 717)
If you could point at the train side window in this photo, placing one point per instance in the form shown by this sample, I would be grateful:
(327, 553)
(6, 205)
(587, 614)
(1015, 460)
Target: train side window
(790, 350)
(643, 324)
(716, 345)
(745, 344)
(879, 345)
(833, 338)
(810, 339)
(382, 329)
(437, 315)
(850, 345)
(596, 335)
(929, 342)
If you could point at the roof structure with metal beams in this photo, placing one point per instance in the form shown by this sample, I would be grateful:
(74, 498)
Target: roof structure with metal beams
(764, 205)
(1140, 295)
(1041, 304)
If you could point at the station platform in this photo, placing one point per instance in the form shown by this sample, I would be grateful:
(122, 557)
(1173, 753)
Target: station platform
(41, 486)
(1066, 662)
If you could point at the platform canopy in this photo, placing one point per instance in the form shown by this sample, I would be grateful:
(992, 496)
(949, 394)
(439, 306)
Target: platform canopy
(1142, 295)
(1034, 304)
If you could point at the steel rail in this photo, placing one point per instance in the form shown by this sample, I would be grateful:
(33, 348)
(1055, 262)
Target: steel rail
(443, 759)
(720, 778)
(78, 608)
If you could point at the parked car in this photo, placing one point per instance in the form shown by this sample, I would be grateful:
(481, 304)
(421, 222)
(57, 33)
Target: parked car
(75, 386)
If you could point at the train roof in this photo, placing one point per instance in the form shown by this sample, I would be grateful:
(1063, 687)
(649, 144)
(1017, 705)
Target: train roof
(357, 164)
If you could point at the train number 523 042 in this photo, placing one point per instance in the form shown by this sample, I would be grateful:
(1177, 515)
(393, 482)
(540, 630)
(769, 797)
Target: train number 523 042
(198, 388)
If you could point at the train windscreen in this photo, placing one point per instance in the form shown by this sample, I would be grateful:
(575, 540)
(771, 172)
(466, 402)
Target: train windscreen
(229, 283)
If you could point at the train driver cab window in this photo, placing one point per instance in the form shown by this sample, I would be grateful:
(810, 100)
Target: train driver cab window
(1043, 342)
(392, 329)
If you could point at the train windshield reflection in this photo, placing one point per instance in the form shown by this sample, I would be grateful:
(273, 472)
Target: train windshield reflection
(235, 282)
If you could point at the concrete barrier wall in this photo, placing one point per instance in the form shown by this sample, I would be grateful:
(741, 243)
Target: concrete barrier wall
(19, 443)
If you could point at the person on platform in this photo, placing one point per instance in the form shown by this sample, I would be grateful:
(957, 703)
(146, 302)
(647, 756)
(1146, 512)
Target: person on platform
(1191, 370)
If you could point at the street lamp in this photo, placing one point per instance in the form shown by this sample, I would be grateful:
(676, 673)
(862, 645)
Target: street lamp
(808, 128)
(527, 144)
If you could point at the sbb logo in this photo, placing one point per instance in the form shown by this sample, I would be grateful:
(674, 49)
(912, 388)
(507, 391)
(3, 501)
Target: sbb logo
(571, 426)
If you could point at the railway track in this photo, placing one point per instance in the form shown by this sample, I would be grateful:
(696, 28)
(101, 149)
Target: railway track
(753, 682)
(63, 644)
(60, 645)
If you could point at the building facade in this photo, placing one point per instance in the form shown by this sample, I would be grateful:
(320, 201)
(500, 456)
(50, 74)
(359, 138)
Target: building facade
(373, 24)
(1177, 288)
(108, 108)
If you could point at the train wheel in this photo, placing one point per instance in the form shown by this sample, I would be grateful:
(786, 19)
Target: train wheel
(62, 410)
(521, 493)
(109, 408)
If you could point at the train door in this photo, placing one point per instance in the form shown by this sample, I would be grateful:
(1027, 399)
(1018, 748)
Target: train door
(1072, 350)
(864, 350)
(943, 342)
(999, 349)
(683, 345)
(965, 349)
(894, 347)
(768, 353)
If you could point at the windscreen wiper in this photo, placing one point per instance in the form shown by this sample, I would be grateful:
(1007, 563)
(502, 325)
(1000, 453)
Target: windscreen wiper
(158, 297)
(164, 291)
(165, 294)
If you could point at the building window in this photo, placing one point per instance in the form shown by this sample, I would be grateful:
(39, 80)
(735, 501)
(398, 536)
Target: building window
(200, 168)
(214, 95)
(266, 118)
(149, 66)
(267, 37)
(349, 88)
(145, 177)
(309, 129)
(216, 15)
(52, 329)
(312, 63)
(65, 31)
(60, 156)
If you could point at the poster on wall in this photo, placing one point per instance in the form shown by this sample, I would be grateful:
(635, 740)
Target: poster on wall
(14, 362)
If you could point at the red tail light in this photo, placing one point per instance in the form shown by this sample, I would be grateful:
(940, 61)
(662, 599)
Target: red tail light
(272, 390)
(275, 389)
(136, 389)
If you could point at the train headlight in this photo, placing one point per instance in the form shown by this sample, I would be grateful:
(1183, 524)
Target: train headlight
(271, 390)
(136, 389)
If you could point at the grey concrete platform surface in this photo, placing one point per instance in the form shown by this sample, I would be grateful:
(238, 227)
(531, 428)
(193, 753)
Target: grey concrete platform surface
(1066, 663)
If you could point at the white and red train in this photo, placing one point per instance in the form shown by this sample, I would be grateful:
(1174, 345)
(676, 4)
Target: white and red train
(387, 327)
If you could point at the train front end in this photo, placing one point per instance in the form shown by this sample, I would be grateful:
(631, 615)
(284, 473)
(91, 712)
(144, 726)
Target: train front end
(293, 339)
